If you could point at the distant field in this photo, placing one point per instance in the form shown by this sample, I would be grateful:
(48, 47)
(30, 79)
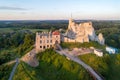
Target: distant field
(7, 30)
(35, 30)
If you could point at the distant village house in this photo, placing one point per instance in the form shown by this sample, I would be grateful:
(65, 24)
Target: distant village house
(111, 50)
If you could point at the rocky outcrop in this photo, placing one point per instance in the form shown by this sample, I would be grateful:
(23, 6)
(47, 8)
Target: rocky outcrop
(30, 58)
(101, 39)
(83, 32)
(80, 32)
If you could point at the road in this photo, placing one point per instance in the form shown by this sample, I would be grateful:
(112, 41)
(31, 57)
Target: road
(76, 59)
(10, 62)
(29, 58)
(14, 68)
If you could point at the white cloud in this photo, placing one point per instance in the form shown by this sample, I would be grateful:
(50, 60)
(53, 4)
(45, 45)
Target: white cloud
(11, 8)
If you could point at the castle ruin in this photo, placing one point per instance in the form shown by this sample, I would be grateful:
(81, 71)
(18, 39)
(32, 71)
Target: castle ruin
(83, 32)
(46, 40)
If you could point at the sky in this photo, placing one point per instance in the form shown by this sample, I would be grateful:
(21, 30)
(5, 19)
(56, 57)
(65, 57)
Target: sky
(59, 9)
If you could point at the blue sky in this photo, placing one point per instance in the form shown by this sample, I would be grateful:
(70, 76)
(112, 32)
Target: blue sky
(59, 9)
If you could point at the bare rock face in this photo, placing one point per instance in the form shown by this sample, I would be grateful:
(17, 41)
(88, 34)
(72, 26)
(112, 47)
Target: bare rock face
(83, 32)
(101, 39)
(80, 32)
(30, 58)
(71, 34)
(89, 30)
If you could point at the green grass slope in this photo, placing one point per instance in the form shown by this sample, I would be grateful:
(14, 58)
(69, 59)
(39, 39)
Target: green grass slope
(52, 66)
(72, 45)
(5, 71)
(108, 65)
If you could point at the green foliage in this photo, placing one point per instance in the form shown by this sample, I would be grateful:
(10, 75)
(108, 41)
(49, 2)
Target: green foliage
(114, 67)
(12, 40)
(5, 71)
(15, 46)
(97, 63)
(52, 66)
(113, 40)
(35, 24)
(5, 58)
(107, 66)
(71, 45)
(8, 55)
(27, 44)
(6, 30)
(110, 30)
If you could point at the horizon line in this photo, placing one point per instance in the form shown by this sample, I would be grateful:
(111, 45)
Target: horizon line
(52, 19)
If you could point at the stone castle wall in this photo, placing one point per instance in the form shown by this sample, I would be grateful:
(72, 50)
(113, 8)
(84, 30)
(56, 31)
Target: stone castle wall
(83, 32)
(46, 40)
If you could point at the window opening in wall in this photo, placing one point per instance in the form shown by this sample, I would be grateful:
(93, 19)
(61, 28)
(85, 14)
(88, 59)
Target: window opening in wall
(40, 41)
(50, 41)
(40, 36)
(40, 46)
(50, 36)
(47, 41)
(47, 36)
(43, 47)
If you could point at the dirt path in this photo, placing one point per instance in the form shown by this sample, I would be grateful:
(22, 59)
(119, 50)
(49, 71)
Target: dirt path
(76, 59)
(13, 70)
(29, 58)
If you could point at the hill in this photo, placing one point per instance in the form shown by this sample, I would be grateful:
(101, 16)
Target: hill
(52, 66)
(108, 65)
(5, 71)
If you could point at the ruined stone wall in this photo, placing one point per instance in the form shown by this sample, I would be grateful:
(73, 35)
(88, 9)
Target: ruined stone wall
(82, 32)
(79, 32)
(65, 39)
(101, 39)
(46, 40)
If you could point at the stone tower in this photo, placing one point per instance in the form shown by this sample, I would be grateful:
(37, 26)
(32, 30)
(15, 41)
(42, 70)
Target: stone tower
(101, 39)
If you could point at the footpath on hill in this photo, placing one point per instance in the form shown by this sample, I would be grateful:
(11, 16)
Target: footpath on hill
(30, 58)
(76, 59)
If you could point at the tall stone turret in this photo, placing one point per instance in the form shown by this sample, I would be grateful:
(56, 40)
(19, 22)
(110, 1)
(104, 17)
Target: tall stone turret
(71, 29)
(89, 30)
(101, 39)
